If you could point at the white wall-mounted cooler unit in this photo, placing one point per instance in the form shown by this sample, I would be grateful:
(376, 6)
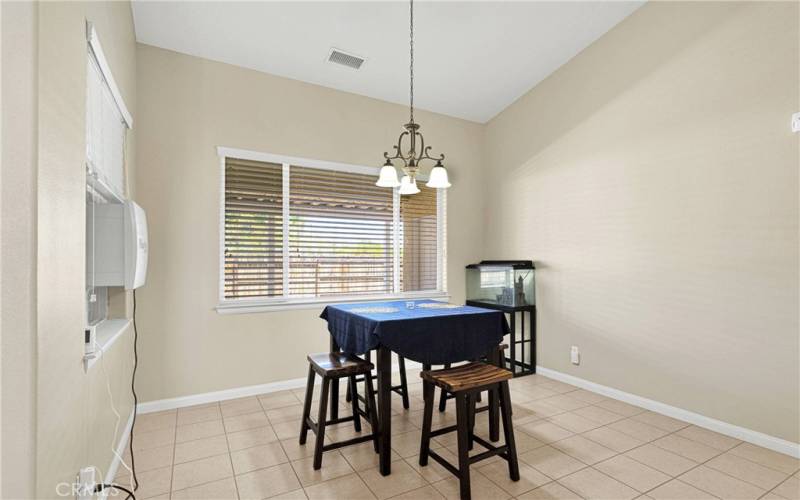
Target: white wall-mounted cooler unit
(120, 245)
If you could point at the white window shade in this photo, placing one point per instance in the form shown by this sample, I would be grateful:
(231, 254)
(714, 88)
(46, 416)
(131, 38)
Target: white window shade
(253, 229)
(340, 234)
(105, 132)
(418, 237)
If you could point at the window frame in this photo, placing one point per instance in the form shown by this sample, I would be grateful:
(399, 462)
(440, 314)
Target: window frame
(261, 304)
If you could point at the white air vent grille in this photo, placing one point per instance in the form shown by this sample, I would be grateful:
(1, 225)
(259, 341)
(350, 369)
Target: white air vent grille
(350, 60)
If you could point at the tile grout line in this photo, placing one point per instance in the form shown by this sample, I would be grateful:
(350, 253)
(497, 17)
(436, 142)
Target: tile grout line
(778, 485)
(669, 433)
(543, 419)
(675, 432)
(713, 468)
(230, 457)
(174, 450)
(699, 464)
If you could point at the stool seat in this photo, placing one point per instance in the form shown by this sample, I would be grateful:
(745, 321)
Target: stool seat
(466, 377)
(338, 364)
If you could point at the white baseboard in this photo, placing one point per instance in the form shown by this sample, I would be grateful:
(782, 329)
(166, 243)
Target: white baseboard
(210, 397)
(237, 392)
(751, 436)
(115, 461)
(735, 431)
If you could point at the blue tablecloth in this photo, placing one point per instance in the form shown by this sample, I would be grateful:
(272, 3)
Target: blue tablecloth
(429, 336)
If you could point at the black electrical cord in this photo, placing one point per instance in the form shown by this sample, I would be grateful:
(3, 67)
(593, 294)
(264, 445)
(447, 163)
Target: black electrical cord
(135, 401)
(101, 487)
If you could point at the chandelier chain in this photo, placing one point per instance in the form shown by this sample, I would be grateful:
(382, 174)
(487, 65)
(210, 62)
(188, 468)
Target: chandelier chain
(411, 47)
(411, 158)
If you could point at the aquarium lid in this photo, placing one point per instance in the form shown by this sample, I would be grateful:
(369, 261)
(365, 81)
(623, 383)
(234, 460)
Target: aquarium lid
(514, 264)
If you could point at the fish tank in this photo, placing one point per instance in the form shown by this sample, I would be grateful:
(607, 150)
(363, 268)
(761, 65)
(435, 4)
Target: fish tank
(506, 283)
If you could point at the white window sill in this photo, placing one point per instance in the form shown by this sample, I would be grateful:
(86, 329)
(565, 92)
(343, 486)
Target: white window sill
(285, 304)
(107, 333)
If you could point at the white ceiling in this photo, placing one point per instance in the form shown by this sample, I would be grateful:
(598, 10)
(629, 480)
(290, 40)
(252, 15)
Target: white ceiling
(472, 59)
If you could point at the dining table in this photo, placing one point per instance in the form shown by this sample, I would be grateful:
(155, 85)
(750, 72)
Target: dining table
(427, 331)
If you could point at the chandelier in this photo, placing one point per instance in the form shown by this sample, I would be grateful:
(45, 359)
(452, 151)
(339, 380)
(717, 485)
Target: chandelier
(411, 158)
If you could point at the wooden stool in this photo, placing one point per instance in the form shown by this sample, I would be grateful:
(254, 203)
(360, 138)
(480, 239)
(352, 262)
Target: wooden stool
(401, 390)
(330, 366)
(444, 395)
(465, 382)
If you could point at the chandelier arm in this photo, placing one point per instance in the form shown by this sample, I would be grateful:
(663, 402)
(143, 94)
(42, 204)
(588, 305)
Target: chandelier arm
(425, 156)
(434, 158)
(397, 149)
(422, 148)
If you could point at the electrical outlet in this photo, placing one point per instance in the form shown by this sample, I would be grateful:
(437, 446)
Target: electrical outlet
(796, 122)
(90, 342)
(87, 480)
(575, 355)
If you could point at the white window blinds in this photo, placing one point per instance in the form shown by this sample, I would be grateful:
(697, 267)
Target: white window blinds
(418, 229)
(301, 232)
(105, 132)
(340, 234)
(253, 229)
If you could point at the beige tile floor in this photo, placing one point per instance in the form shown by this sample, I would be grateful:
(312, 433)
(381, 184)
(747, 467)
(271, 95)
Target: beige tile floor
(571, 444)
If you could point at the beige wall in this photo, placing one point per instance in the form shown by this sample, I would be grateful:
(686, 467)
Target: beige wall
(74, 419)
(654, 179)
(188, 106)
(18, 249)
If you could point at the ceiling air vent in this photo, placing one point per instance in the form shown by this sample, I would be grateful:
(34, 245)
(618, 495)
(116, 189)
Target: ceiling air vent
(350, 60)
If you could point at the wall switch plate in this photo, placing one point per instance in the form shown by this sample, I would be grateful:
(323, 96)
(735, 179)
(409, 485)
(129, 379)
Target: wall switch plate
(87, 480)
(575, 355)
(796, 122)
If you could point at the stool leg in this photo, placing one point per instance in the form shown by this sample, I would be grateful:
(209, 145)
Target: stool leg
(494, 420)
(427, 419)
(352, 388)
(508, 431)
(471, 403)
(496, 357)
(443, 396)
(403, 382)
(348, 396)
(368, 357)
(321, 419)
(307, 406)
(462, 419)
(372, 410)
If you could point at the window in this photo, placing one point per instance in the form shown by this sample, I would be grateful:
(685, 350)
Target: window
(297, 231)
(105, 132)
(253, 229)
(418, 229)
(340, 234)
(107, 122)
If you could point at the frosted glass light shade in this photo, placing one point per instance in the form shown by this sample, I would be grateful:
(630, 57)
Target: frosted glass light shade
(387, 177)
(438, 178)
(407, 186)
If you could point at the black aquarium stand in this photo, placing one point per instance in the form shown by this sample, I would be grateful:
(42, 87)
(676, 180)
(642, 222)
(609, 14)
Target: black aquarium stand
(521, 356)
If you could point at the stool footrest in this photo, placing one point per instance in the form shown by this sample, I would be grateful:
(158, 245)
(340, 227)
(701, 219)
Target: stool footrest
(443, 430)
(348, 442)
(444, 463)
(502, 451)
(492, 450)
(340, 420)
